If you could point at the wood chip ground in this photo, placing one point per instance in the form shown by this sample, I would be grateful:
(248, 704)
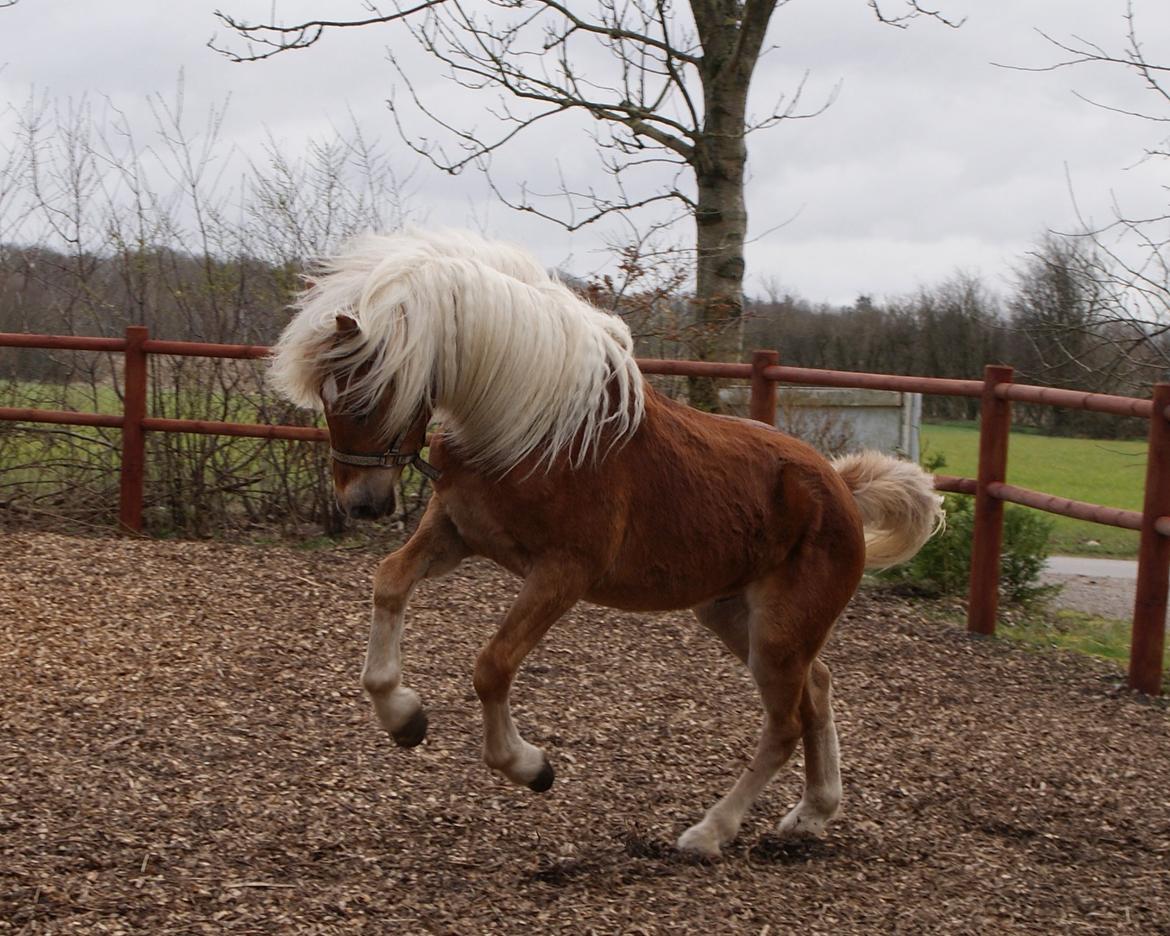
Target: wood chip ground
(184, 748)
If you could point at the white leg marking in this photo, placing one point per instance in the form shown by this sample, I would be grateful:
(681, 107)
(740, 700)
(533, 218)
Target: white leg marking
(394, 704)
(503, 748)
(822, 766)
(821, 798)
(722, 821)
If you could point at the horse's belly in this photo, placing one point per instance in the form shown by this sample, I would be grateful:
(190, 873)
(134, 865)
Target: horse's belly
(662, 595)
(675, 564)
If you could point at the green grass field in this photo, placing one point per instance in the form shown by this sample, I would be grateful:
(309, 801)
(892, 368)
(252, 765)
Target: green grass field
(1098, 471)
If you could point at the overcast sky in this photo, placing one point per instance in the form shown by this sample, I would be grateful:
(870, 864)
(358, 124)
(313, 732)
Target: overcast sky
(931, 159)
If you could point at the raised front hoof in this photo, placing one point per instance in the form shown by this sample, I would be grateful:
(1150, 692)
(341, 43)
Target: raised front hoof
(412, 733)
(543, 781)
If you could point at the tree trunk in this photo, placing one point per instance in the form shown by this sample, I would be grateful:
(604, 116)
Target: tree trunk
(731, 34)
(721, 227)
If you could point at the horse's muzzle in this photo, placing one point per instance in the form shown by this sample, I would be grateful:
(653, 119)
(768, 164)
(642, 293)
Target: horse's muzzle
(365, 512)
(366, 508)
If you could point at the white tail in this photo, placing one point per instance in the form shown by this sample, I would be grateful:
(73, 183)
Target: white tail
(898, 504)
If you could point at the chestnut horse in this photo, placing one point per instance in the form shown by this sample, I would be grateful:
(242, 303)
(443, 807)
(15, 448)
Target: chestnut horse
(557, 461)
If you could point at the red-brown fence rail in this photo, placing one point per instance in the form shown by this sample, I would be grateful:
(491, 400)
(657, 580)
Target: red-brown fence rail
(990, 488)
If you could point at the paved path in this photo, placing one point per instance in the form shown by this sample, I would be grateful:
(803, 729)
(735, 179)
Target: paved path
(1098, 586)
(1095, 568)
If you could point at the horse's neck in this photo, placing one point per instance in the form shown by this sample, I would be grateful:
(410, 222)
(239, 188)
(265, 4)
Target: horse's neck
(663, 412)
(491, 397)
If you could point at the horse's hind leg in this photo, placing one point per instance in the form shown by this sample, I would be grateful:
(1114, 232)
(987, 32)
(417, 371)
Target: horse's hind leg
(784, 633)
(822, 769)
(780, 733)
(435, 548)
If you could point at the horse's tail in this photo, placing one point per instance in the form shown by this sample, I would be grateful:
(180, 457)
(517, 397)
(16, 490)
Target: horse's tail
(898, 504)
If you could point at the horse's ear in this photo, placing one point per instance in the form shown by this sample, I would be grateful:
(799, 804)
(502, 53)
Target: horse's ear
(346, 327)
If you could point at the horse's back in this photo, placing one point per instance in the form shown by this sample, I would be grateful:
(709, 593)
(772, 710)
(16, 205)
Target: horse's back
(713, 503)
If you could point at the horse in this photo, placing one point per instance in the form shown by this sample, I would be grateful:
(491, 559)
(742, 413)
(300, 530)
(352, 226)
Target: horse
(555, 459)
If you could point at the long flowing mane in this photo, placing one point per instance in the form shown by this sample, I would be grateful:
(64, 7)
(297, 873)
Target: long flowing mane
(514, 362)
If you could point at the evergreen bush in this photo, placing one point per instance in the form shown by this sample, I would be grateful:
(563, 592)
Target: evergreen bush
(943, 566)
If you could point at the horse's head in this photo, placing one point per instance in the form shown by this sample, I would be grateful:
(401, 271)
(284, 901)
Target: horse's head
(367, 459)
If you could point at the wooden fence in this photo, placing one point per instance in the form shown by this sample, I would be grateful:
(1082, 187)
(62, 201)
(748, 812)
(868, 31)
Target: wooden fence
(991, 490)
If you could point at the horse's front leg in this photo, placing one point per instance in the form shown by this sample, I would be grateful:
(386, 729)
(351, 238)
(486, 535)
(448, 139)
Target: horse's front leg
(434, 549)
(548, 592)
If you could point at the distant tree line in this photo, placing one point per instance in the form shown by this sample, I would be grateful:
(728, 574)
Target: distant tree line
(1052, 326)
(1058, 323)
(174, 293)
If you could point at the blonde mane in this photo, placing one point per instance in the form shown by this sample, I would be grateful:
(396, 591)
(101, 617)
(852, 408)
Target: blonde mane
(514, 363)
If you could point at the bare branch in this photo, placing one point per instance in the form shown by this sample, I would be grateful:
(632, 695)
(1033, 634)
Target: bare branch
(753, 28)
(1132, 57)
(788, 111)
(603, 207)
(913, 11)
(617, 33)
(277, 39)
(479, 58)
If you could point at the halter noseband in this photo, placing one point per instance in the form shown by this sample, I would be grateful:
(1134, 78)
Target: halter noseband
(392, 457)
(388, 459)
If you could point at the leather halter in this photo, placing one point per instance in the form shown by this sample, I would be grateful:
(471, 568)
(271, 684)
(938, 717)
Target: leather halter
(394, 456)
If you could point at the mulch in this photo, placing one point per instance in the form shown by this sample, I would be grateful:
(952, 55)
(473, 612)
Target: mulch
(185, 748)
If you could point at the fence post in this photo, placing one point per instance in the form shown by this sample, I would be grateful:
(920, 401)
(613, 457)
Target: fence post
(762, 405)
(133, 435)
(995, 420)
(1153, 579)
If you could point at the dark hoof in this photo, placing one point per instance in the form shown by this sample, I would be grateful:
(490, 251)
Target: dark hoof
(543, 780)
(412, 733)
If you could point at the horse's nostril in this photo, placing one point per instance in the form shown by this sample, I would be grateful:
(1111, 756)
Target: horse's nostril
(363, 512)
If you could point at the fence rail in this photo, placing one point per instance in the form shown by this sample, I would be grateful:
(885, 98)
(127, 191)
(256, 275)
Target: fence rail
(990, 489)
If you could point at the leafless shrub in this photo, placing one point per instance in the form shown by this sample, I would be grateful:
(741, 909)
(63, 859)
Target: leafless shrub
(101, 230)
(825, 430)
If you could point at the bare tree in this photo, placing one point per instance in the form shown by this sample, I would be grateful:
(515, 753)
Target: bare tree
(669, 93)
(1065, 331)
(1127, 260)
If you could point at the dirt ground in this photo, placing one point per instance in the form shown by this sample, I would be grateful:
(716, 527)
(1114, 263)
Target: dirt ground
(185, 748)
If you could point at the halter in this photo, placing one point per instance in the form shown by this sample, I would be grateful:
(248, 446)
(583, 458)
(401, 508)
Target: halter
(393, 457)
